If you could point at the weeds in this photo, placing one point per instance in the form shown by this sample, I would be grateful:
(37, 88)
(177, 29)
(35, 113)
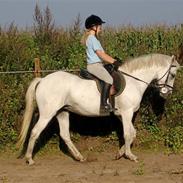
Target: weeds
(140, 170)
(174, 139)
(4, 179)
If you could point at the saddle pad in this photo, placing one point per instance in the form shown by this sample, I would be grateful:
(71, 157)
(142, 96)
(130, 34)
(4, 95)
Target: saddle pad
(119, 80)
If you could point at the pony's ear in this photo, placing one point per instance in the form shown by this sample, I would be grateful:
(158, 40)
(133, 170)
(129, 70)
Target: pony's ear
(180, 54)
(174, 61)
(173, 58)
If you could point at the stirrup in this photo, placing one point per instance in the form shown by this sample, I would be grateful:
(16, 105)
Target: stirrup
(107, 108)
(110, 108)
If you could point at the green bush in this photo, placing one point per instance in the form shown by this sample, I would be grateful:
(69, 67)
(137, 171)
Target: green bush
(174, 138)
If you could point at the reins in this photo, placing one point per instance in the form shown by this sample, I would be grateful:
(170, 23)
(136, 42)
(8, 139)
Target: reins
(134, 77)
(152, 84)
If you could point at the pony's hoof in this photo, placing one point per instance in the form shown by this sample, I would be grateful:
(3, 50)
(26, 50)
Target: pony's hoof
(82, 160)
(30, 162)
(118, 156)
(132, 157)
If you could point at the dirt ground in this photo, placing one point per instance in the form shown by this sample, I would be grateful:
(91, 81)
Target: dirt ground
(58, 167)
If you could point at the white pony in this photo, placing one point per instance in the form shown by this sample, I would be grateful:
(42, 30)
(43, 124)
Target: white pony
(61, 92)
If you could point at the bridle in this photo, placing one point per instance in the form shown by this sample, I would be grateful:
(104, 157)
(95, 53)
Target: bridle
(164, 88)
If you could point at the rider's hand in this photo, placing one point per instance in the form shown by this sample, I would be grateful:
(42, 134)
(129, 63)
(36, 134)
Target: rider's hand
(118, 59)
(117, 63)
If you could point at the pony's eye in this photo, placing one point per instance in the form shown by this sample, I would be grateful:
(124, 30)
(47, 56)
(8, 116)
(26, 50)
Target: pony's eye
(172, 75)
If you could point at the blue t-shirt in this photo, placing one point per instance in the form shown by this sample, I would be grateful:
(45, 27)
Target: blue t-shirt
(92, 45)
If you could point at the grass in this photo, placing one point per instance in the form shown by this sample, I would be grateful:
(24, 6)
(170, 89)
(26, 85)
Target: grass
(140, 169)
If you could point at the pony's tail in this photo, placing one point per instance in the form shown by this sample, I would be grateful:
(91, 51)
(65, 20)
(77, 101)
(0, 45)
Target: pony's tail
(29, 109)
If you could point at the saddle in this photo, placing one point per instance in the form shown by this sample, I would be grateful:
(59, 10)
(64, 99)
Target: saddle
(119, 82)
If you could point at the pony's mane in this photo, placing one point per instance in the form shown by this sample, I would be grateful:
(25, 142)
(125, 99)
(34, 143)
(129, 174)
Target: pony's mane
(146, 61)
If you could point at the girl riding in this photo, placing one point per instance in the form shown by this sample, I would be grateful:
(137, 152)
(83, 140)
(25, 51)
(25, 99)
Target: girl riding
(96, 57)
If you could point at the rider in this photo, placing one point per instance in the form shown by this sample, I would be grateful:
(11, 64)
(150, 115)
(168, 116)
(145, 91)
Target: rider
(96, 57)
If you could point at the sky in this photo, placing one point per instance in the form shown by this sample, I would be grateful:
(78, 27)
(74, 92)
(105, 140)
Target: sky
(114, 12)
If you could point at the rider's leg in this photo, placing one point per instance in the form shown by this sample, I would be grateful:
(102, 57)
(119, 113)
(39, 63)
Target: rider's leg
(99, 71)
(104, 97)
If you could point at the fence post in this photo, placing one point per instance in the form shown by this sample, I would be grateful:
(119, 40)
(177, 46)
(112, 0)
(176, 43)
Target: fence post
(37, 67)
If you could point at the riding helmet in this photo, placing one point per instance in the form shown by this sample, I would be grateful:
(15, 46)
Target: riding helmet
(93, 20)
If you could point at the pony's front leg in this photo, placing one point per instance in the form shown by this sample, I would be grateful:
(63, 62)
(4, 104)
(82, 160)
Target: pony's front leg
(129, 135)
(63, 120)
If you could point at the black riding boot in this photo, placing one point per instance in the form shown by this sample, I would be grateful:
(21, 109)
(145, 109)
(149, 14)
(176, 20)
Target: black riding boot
(105, 107)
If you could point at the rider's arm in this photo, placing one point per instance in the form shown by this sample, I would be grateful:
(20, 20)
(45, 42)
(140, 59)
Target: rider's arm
(104, 56)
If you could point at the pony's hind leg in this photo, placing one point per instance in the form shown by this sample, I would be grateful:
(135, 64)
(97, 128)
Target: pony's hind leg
(63, 120)
(36, 131)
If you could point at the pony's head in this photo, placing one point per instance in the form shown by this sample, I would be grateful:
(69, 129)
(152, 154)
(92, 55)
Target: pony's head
(166, 79)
